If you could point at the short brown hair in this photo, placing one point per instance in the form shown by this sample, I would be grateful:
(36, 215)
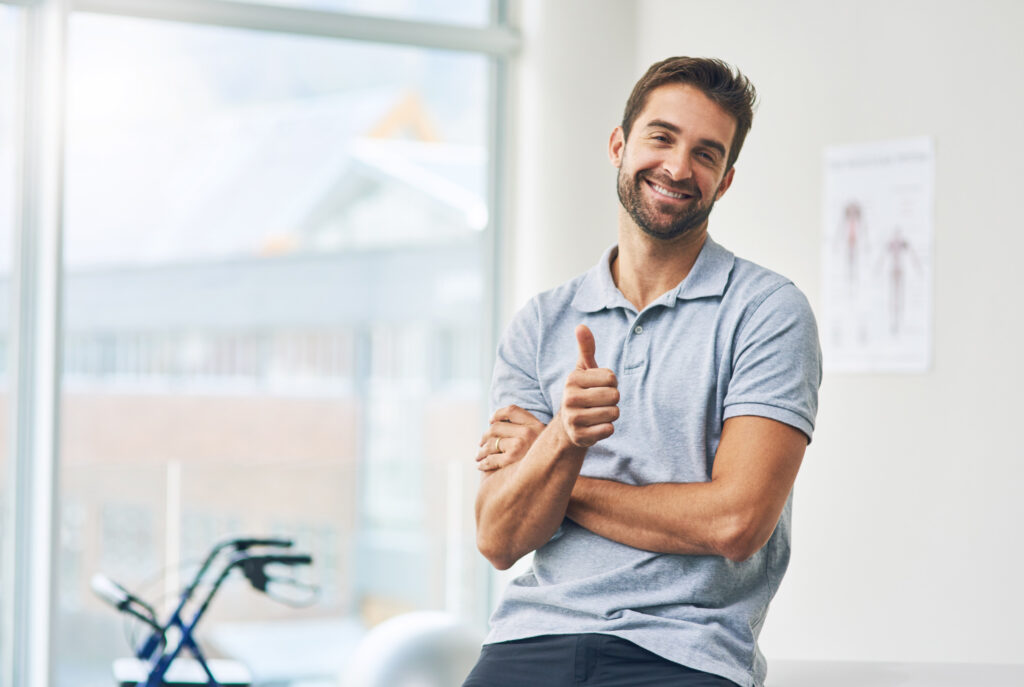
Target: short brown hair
(720, 82)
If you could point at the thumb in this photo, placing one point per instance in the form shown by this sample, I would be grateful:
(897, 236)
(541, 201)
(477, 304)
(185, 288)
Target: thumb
(585, 339)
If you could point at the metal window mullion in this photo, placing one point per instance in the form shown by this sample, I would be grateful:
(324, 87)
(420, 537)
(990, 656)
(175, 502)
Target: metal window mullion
(35, 319)
(490, 40)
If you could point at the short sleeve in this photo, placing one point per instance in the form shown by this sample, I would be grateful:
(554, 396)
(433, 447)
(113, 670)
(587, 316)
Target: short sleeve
(777, 362)
(515, 379)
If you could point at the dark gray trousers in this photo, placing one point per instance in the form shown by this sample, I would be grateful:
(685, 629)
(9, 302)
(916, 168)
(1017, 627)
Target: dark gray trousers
(585, 660)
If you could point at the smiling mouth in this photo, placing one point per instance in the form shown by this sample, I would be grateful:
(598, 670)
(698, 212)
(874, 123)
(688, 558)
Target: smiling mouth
(662, 191)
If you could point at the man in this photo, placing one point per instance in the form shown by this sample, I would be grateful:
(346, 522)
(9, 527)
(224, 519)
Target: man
(655, 491)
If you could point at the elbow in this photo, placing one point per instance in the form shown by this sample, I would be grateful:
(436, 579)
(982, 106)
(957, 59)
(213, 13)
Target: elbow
(496, 555)
(500, 561)
(740, 538)
(738, 553)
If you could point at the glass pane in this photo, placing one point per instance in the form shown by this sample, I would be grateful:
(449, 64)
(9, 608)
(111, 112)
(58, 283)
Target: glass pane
(469, 12)
(273, 319)
(9, 62)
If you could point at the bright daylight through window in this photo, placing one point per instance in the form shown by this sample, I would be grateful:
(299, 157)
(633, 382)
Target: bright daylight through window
(275, 308)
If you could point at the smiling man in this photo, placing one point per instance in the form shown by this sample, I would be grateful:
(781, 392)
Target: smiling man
(654, 487)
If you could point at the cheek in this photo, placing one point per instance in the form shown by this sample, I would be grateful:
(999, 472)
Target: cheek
(710, 185)
(638, 162)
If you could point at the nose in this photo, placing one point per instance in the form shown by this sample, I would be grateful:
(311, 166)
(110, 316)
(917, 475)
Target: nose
(677, 165)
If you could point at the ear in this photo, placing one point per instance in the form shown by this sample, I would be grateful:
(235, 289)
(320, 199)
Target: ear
(726, 183)
(616, 146)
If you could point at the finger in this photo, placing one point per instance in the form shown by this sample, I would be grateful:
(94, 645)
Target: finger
(583, 397)
(497, 429)
(589, 379)
(515, 415)
(495, 461)
(502, 430)
(589, 417)
(588, 436)
(587, 346)
(496, 439)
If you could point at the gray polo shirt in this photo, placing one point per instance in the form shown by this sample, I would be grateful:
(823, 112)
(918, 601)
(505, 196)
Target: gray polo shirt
(732, 339)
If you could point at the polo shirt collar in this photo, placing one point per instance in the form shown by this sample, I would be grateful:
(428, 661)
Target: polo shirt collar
(708, 277)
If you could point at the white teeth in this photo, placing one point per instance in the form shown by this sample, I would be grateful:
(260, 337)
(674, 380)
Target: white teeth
(664, 191)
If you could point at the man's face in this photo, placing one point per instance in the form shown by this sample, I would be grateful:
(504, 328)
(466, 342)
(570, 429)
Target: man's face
(672, 169)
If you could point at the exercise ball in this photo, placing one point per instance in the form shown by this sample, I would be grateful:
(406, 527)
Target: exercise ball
(420, 649)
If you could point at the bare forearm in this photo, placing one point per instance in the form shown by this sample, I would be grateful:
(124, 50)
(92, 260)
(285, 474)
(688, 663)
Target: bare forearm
(732, 515)
(519, 507)
(666, 518)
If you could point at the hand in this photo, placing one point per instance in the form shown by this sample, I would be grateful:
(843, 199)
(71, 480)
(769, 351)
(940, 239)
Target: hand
(590, 401)
(511, 434)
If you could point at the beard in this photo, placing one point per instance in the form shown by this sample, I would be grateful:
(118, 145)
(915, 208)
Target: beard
(649, 220)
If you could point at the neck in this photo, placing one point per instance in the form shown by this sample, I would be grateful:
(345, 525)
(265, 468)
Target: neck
(647, 267)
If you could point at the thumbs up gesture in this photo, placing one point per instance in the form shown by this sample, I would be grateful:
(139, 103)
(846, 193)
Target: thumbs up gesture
(590, 401)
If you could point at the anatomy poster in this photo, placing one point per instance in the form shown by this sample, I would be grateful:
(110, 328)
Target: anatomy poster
(877, 256)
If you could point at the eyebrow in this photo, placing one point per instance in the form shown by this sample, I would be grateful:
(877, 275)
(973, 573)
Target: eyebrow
(707, 142)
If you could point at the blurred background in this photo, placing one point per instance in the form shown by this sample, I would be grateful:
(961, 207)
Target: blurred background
(254, 258)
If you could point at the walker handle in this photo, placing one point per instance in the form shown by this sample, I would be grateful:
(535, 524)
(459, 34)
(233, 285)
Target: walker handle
(243, 544)
(254, 567)
(110, 591)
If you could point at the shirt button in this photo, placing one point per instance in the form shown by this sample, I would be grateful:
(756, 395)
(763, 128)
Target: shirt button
(638, 330)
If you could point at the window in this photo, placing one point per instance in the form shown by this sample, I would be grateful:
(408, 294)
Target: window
(275, 300)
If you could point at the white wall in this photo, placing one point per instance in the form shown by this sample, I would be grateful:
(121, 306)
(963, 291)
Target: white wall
(907, 520)
(572, 80)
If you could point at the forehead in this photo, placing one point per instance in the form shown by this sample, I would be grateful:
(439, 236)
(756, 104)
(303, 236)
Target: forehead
(688, 109)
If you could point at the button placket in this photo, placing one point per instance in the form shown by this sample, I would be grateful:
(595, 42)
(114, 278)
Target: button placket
(636, 347)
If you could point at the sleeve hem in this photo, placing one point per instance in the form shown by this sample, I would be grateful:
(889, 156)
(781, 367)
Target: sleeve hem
(771, 412)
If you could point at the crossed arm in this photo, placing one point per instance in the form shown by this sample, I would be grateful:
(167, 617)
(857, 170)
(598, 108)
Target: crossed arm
(533, 482)
(733, 515)
(521, 503)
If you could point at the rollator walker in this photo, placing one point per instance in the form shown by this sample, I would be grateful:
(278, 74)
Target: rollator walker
(160, 659)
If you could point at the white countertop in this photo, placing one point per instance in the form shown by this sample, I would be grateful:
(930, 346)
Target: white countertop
(856, 674)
